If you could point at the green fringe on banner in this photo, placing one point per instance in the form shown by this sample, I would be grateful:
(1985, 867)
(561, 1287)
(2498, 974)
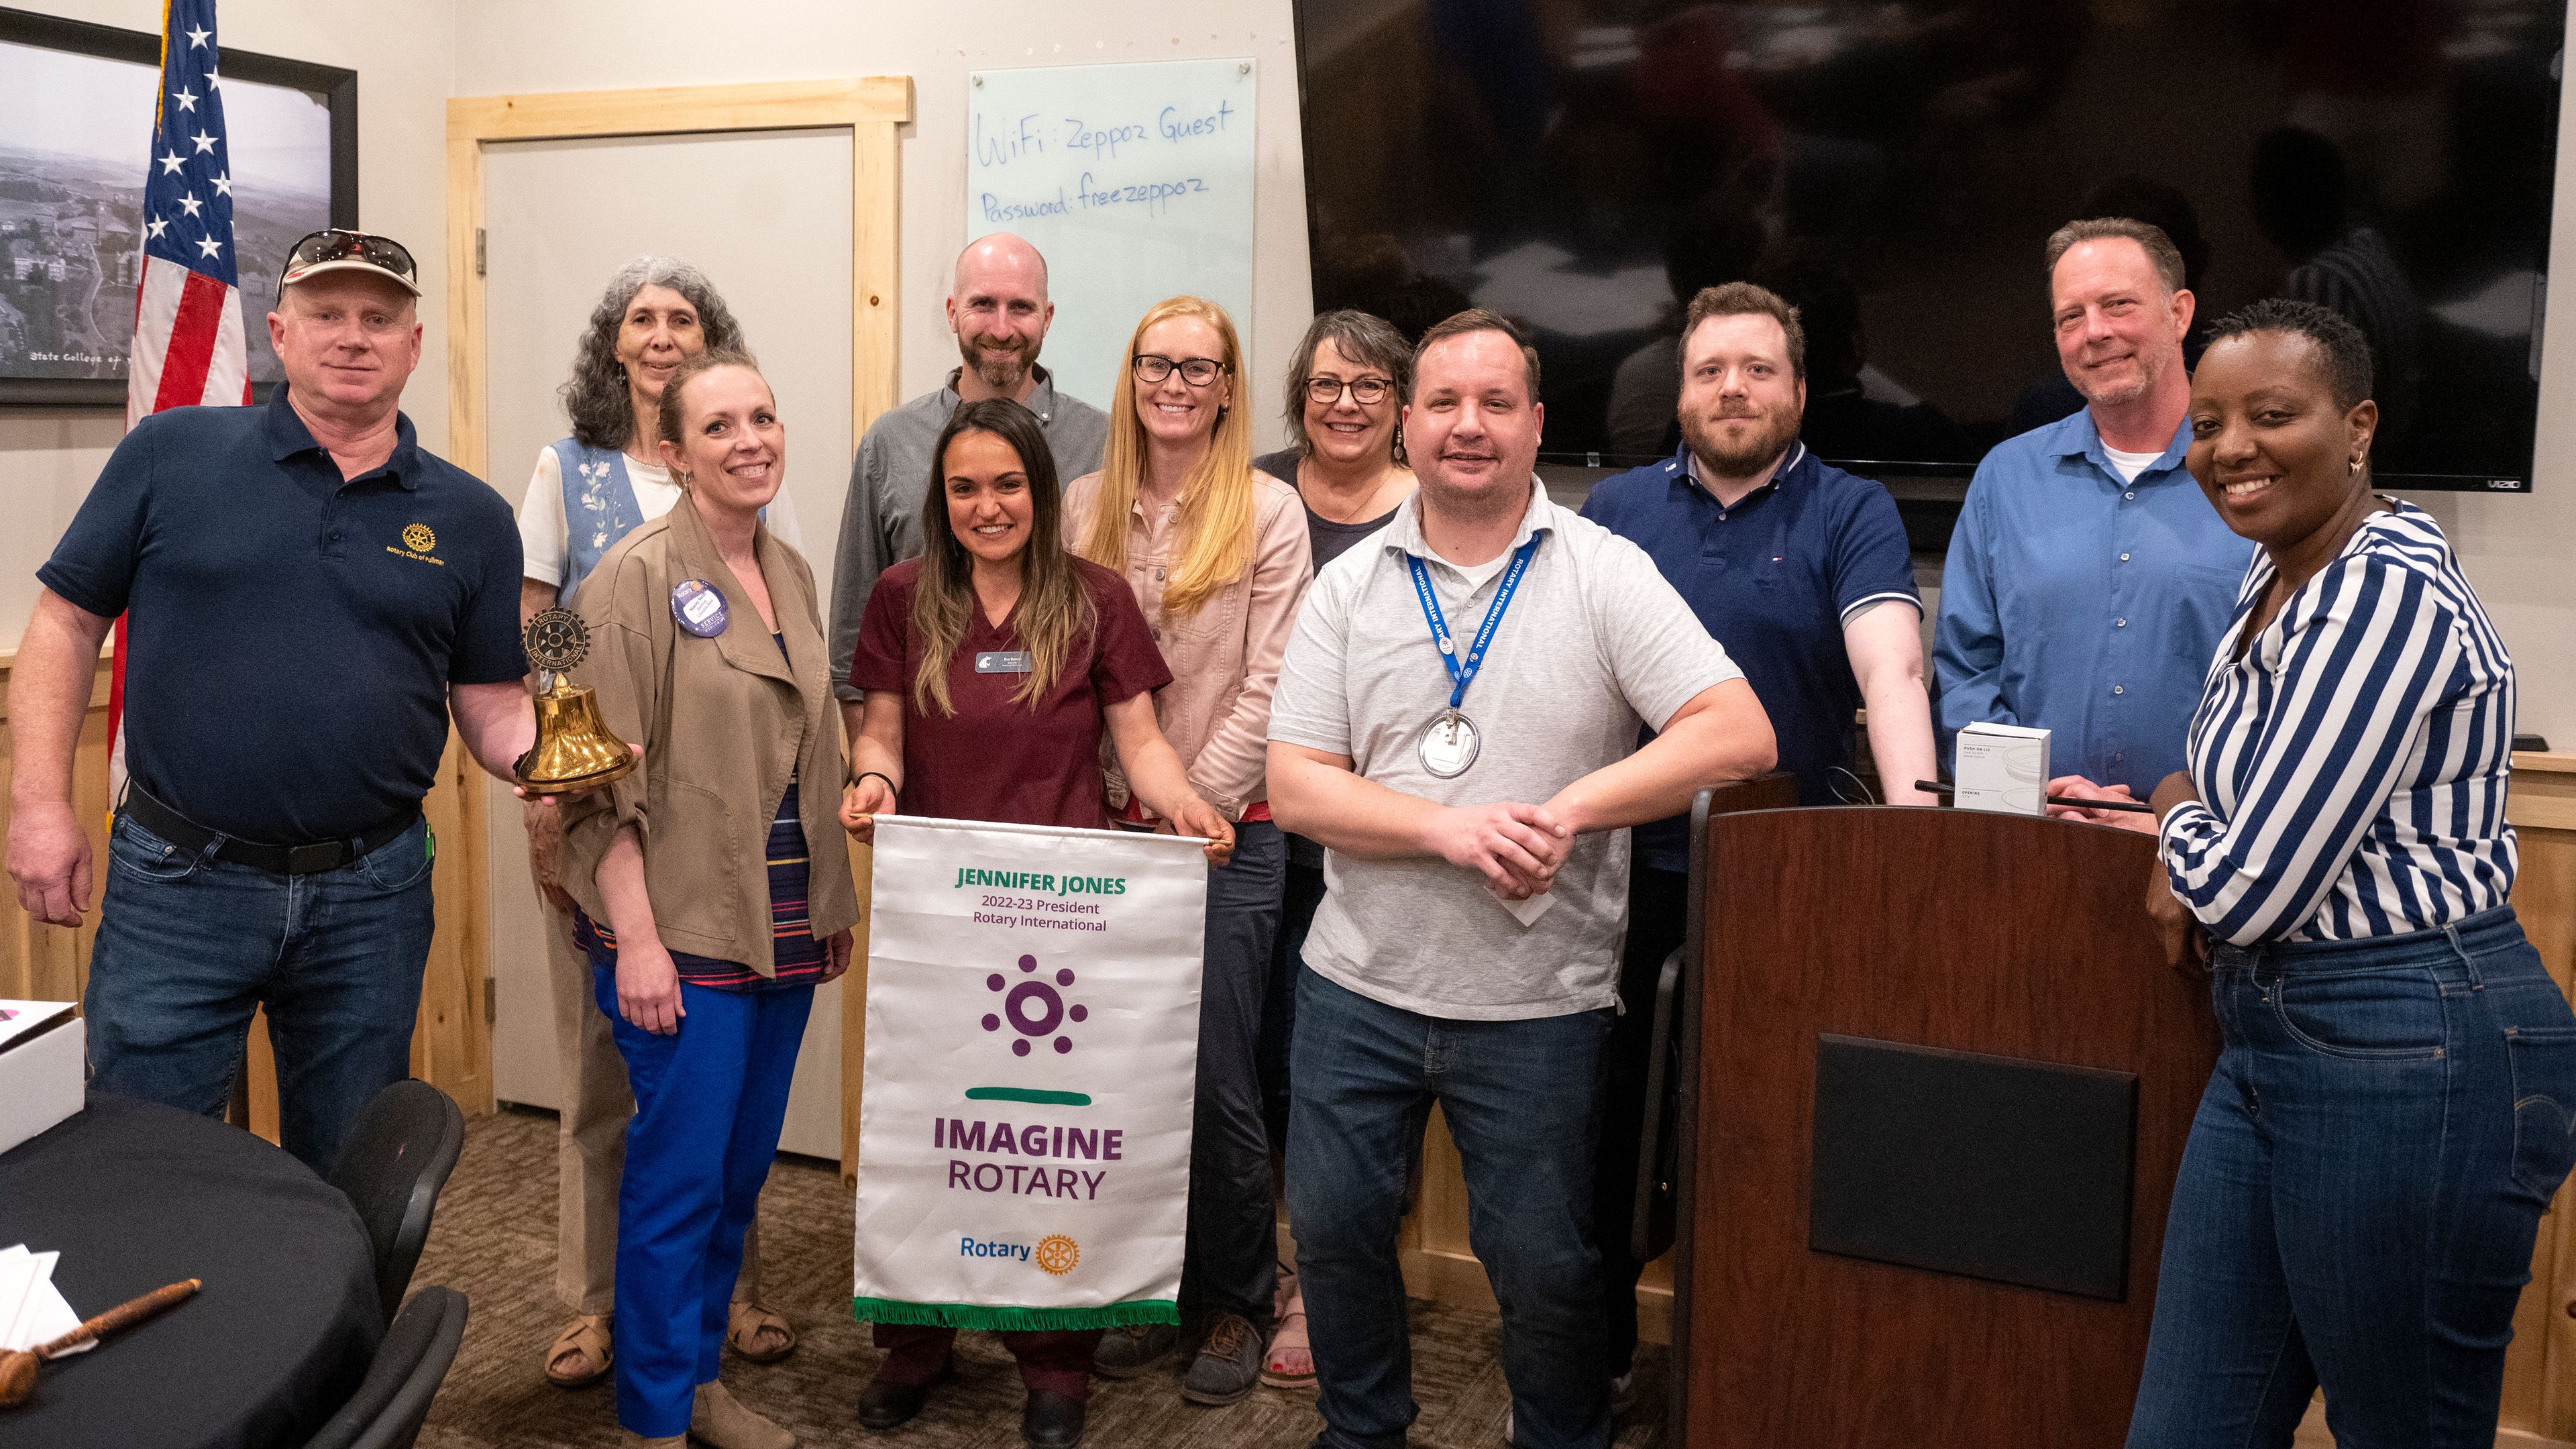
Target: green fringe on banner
(1011, 1319)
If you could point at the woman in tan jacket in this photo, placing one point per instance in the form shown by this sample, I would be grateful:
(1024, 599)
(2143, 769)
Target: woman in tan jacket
(1217, 555)
(713, 882)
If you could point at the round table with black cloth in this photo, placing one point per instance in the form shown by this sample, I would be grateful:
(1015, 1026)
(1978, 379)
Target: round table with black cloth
(134, 1196)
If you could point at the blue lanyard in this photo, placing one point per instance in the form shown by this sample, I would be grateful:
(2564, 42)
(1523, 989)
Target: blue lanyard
(1462, 672)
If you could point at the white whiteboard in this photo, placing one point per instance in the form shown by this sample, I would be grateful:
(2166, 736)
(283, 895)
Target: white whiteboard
(1135, 181)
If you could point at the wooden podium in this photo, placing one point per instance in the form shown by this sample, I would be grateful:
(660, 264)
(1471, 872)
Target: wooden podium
(1960, 1245)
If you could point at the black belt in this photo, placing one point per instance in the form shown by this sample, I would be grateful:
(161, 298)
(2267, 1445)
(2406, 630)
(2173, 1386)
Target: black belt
(311, 859)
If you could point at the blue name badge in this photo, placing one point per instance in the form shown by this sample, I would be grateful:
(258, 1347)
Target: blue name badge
(1002, 661)
(699, 608)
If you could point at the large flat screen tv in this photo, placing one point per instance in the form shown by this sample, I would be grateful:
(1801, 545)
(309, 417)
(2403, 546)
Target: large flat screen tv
(1895, 168)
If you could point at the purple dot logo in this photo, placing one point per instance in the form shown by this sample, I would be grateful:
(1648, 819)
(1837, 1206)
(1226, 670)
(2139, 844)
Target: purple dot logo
(1033, 1008)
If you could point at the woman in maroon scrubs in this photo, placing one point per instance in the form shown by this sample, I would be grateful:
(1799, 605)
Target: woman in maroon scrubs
(994, 665)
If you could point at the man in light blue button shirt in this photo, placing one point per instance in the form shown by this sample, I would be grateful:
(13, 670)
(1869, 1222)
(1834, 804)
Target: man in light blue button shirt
(2089, 580)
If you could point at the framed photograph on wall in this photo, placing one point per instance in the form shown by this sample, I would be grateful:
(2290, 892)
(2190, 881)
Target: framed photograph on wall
(76, 116)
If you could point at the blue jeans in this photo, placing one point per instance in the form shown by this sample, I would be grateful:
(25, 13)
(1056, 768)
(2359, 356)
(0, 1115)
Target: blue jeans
(710, 1100)
(189, 945)
(1231, 1261)
(1304, 894)
(2357, 1203)
(1520, 1101)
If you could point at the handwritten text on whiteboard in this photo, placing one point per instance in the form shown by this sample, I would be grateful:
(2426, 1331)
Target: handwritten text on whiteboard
(1030, 135)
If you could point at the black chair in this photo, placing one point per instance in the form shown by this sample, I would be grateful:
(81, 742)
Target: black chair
(1650, 1231)
(387, 1410)
(391, 1168)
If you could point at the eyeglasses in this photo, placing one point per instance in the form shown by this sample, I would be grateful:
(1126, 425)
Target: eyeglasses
(1196, 371)
(335, 245)
(1366, 391)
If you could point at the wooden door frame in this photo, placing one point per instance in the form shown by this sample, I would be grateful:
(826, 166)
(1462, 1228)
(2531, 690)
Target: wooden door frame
(871, 108)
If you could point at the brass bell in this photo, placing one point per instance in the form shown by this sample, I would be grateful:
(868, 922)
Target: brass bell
(575, 749)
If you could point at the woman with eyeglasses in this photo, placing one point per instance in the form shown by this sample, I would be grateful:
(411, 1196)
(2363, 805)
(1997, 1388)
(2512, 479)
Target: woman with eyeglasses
(1346, 391)
(1216, 554)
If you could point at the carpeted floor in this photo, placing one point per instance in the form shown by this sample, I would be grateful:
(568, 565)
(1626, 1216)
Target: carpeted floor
(494, 1240)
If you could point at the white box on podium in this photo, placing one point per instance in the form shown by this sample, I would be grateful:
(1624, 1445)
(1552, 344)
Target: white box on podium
(2002, 768)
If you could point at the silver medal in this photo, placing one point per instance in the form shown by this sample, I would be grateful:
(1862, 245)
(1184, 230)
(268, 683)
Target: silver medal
(1449, 744)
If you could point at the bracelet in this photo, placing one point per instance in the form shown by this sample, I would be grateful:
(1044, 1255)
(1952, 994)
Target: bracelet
(882, 775)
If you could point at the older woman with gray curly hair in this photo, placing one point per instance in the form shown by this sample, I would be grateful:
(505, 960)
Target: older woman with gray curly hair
(589, 491)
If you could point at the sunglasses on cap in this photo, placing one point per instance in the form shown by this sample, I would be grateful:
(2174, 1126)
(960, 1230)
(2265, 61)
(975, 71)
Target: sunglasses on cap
(336, 250)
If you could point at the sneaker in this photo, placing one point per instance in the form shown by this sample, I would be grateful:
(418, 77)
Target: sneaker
(1228, 1365)
(1129, 1351)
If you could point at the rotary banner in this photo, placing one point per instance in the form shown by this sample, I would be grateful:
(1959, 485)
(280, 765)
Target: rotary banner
(1032, 1051)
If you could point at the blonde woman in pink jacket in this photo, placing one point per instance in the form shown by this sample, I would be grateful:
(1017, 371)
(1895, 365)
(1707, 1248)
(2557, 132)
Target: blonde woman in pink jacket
(1218, 558)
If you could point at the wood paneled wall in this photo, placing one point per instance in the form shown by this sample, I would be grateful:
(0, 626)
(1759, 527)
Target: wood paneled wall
(2540, 1370)
(51, 963)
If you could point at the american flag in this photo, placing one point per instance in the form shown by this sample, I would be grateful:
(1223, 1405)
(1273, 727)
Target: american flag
(188, 342)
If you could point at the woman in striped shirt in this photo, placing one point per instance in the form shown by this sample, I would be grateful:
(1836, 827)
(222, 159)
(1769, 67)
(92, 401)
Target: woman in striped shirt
(2390, 1113)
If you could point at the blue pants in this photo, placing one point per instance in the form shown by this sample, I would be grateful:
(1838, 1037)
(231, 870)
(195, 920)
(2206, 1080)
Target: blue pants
(1230, 1262)
(710, 1099)
(1520, 1101)
(2359, 1196)
(188, 946)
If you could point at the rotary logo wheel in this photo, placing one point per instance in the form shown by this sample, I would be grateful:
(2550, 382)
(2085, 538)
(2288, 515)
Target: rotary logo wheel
(418, 538)
(556, 639)
(1057, 1254)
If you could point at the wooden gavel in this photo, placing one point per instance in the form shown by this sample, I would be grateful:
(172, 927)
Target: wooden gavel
(18, 1367)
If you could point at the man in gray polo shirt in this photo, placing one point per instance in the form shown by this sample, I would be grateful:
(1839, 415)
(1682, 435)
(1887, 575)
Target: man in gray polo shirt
(999, 311)
(1456, 721)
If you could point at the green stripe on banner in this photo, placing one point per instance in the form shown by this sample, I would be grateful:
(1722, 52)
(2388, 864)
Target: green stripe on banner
(1007, 1319)
(1027, 1094)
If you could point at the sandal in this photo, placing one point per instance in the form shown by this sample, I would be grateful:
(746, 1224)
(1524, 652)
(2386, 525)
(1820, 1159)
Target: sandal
(745, 1325)
(580, 1355)
(1290, 1363)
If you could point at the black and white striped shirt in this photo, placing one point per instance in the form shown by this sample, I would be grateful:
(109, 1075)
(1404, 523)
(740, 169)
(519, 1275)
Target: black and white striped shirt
(2352, 766)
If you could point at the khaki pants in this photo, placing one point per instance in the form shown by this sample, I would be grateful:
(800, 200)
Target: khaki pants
(591, 1143)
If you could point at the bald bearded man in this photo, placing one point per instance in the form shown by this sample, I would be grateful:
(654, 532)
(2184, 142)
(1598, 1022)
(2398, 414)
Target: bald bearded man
(999, 311)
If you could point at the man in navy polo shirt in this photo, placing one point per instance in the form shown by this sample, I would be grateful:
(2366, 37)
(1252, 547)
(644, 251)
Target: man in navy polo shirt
(1802, 572)
(310, 593)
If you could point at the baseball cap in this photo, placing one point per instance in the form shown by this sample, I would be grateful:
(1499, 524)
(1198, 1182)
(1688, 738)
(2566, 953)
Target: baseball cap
(334, 250)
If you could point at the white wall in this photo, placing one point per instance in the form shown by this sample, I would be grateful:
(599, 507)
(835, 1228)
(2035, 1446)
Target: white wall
(505, 46)
(2521, 551)
(404, 56)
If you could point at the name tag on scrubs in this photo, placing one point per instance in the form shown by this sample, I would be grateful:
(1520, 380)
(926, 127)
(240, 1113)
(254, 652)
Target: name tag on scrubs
(1003, 661)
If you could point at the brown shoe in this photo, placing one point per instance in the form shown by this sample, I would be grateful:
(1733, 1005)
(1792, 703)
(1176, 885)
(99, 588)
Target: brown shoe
(719, 1419)
(1228, 1365)
(582, 1354)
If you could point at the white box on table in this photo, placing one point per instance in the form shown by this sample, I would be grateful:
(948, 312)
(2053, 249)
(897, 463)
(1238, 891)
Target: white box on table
(43, 1067)
(2002, 768)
